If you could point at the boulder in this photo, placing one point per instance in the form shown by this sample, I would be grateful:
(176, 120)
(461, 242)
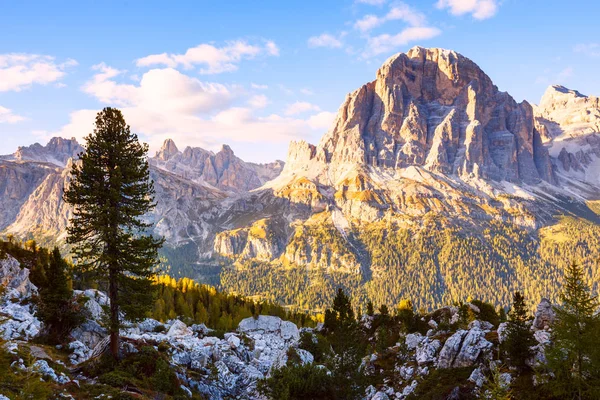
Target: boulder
(179, 329)
(472, 346)
(427, 350)
(544, 315)
(90, 333)
(477, 377)
(15, 279)
(412, 340)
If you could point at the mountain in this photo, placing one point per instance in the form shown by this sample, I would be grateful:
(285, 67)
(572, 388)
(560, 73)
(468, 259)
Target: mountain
(222, 170)
(431, 184)
(58, 151)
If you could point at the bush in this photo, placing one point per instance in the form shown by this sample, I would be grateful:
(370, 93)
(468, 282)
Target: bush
(298, 382)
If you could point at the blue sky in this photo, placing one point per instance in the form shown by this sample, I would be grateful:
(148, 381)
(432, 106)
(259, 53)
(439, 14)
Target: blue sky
(257, 74)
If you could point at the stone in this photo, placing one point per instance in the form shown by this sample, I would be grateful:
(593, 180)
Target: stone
(15, 279)
(42, 367)
(426, 351)
(477, 377)
(79, 352)
(451, 349)
(90, 333)
(179, 329)
(473, 345)
(380, 396)
(483, 325)
(412, 340)
(544, 315)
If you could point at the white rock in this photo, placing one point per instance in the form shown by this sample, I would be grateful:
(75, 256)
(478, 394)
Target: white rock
(234, 341)
(427, 350)
(380, 396)
(42, 367)
(412, 340)
(179, 329)
(477, 377)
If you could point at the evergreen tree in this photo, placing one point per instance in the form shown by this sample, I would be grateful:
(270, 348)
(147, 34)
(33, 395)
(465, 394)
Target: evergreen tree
(348, 345)
(111, 191)
(370, 308)
(573, 357)
(519, 338)
(56, 307)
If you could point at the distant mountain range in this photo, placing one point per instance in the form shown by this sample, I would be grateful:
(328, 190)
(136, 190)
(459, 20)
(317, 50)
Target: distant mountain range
(425, 171)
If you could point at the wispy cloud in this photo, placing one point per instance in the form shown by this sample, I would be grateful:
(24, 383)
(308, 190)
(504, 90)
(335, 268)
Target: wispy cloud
(8, 117)
(300, 107)
(258, 101)
(325, 40)
(20, 71)
(589, 49)
(211, 59)
(479, 9)
(386, 43)
(372, 2)
(401, 12)
(553, 77)
(417, 28)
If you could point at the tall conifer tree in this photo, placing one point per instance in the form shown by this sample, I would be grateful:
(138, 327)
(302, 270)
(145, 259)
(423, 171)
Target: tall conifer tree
(111, 191)
(519, 338)
(573, 357)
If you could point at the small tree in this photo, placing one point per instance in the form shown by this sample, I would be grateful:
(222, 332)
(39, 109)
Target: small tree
(519, 338)
(57, 309)
(111, 191)
(573, 356)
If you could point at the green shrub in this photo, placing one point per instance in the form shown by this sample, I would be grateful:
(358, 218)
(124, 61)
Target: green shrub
(298, 382)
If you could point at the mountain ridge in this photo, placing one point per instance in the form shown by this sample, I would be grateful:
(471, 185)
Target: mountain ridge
(429, 146)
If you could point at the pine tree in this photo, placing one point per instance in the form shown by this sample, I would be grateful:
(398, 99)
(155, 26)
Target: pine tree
(573, 357)
(56, 307)
(347, 342)
(111, 191)
(519, 338)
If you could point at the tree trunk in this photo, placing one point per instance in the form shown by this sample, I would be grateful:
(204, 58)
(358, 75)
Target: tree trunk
(114, 314)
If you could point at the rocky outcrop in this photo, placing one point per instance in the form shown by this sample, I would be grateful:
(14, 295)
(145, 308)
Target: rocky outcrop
(544, 315)
(17, 320)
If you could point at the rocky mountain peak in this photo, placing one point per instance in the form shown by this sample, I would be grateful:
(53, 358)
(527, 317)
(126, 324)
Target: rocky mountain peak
(437, 110)
(58, 151)
(168, 150)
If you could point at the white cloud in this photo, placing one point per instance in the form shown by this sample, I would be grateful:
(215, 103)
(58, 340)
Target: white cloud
(159, 90)
(8, 117)
(325, 40)
(213, 60)
(306, 92)
(300, 107)
(401, 11)
(20, 71)
(479, 9)
(169, 104)
(386, 43)
(257, 86)
(258, 101)
(589, 49)
(372, 2)
(322, 120)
